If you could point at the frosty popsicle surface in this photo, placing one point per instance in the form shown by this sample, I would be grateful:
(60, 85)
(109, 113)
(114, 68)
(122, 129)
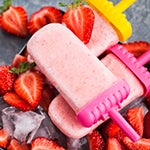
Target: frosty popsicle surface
(77, 74)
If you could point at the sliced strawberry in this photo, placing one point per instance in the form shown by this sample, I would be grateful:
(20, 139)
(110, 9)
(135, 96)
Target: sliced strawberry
(111, 129)
(4, 138)
(42, 143)
(15, 145)
(29, 86)
(113, 144)
(17, 60)
(96, 141)
(135, 117)
(146, 133)
(45, 15)
(48, 95)
(6, 79)
(80, 20)
(148, 100)
(14, 100)
(137, 47)
(14, 21)
(142, 144)
(0, 20)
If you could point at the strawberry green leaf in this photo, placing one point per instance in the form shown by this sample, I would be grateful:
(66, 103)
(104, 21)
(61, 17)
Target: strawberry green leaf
(24, 66)
(6, 4)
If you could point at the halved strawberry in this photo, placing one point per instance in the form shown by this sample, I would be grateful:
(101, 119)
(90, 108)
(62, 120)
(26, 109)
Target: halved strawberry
(79, 19)
(46, 15)
(6, 79)
(110, 129)
(14, 19)
(29, 87)
(137, 47)
(0, 20)
(15, 145)
(14, 100)
(146, 133)
(17, 60)
(113, 144)
(41, 143)
(4, 138)
(135, 117)
(96, 141)
(141, 144)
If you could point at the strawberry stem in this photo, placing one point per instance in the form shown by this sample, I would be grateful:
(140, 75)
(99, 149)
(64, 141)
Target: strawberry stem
(6, 5)
(23, 67)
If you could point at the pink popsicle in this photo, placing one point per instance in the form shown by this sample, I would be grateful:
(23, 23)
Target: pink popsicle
(103, 35)
(70, 124)
(75, 71)
(64, 63)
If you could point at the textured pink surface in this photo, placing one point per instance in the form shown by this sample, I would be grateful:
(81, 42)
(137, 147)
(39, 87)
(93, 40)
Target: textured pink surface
(69, 65)
(103, 35)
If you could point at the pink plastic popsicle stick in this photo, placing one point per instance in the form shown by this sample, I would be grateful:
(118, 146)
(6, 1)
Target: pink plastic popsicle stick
(144, 58)
(124, 125)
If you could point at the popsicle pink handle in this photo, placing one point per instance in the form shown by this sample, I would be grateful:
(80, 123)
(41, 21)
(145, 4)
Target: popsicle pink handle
(134, 64)
(99, 107)
(144, 58)
(105, 105)
(124, 125)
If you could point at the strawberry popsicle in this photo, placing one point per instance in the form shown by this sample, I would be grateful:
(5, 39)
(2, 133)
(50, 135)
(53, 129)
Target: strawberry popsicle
(110, 26)
(68, 123)
(84, 82)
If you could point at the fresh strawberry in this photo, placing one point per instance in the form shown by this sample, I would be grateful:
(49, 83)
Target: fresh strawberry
(96, 141)
(17, 60)
(45, 15)
(0, 20)
(14, 19)
(148, 100)
(113, 144)
(6, 79)
(79, 19)
(14, 100)
(48, 95)
(15, 145)
(29, 86)
(146, 133)
(111, 129)
(135, 117)
(137, 47)
(4, 138)
(141, 144)
(42, 143)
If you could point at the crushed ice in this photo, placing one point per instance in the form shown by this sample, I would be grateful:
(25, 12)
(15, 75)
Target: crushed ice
(21, 125)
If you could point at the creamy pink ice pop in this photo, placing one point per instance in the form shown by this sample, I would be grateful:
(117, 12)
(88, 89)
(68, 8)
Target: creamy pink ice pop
(79, 76)
(110, 26)
(68, 123)
(103, 35)
(61, 63)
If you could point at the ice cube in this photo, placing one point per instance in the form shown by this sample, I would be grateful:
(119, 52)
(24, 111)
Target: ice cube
(77, 144)
(21, 125)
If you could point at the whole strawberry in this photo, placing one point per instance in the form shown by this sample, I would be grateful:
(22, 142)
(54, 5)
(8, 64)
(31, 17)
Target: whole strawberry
(79, 19)
(6, 79)
(13, 19)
